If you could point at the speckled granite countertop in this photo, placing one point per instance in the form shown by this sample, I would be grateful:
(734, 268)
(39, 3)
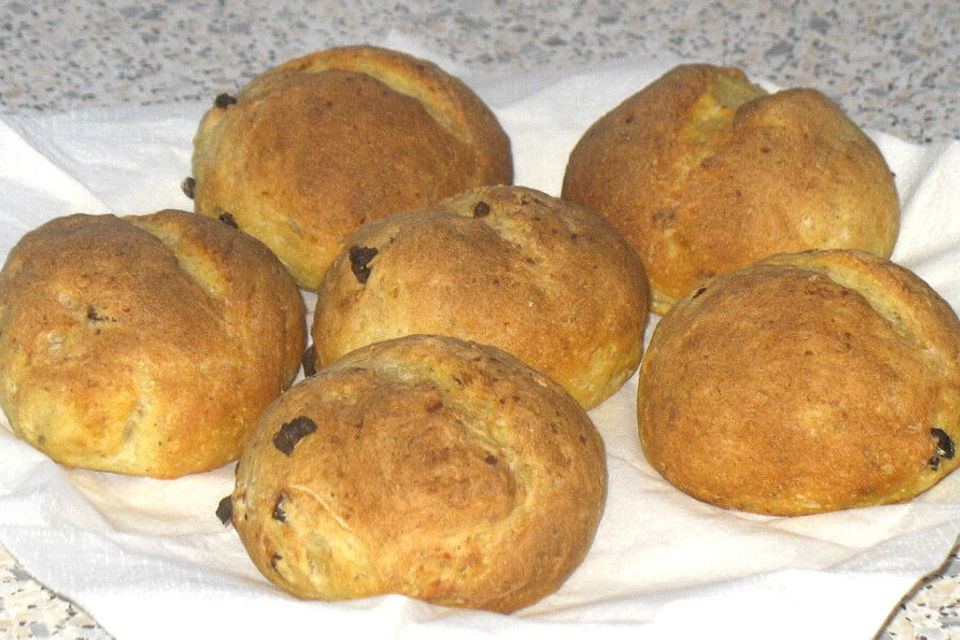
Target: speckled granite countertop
(893, 66)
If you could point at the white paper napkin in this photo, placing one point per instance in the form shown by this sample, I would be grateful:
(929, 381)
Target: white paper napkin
(149, 559)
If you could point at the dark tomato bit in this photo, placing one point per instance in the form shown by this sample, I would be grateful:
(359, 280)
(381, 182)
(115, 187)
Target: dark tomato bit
(292, 432)
(225, 509)
(360, 258)
(224, 100)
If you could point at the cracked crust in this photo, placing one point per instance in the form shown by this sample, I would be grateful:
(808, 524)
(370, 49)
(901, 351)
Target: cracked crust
(808, 382)
(143, 345)
(312, 149)
(440, 469)
(543, 279)
(704, 172)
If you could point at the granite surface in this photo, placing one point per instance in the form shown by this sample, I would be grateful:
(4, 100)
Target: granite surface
(893, 66)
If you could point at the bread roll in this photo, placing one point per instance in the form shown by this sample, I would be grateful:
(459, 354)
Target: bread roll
(424, 466)
(313, 148)
(144, 345)
(544, 279)
(807, 382)
(705, 172)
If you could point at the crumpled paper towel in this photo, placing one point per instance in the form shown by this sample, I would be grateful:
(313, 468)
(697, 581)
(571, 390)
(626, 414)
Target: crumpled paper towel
(149, 559)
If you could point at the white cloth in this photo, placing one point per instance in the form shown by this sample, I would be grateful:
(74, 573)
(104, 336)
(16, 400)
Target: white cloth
(148, 558)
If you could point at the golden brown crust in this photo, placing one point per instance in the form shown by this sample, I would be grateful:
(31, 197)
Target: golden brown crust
(543, 279)
(426, 466)
(704, 172)
(807, 382)
(146, 345)
(315, 147)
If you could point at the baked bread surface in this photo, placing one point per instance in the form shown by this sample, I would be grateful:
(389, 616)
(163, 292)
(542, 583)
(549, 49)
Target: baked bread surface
(807, 382)
(425, 466)
(705, 172)
(313, 148)
(144, 345)
(544, 279)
